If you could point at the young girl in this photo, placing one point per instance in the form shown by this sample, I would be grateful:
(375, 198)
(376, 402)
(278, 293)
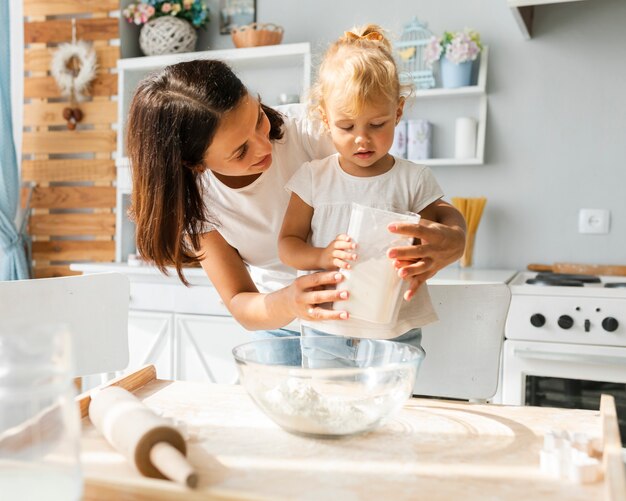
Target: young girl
(358, 96)
(209, 163)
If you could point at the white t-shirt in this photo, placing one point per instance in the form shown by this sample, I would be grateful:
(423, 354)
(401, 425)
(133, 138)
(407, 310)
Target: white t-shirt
(250, 218)
(325, 186)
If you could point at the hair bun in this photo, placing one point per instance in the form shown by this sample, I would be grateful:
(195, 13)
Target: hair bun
(374, 36)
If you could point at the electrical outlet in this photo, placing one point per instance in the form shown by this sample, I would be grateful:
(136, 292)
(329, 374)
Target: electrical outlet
(593, 221)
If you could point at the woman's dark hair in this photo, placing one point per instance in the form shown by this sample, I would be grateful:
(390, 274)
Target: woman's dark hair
(172, 121)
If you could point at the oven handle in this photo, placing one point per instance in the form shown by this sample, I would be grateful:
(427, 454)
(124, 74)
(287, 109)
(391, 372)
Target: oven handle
(568, 357)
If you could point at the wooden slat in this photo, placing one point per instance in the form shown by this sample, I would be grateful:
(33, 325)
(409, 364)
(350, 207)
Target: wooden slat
(60, 7)
(57, 31)
(72, 224)
(69, 170)
(68, 141)
(73, 250)
(39, 59)
(73, 197)
(48, 271)
(105, 84)
(130, 382)
(48, 114)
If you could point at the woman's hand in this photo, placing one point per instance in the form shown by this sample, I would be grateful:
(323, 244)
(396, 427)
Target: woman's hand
(308, 292)
(439, 245)
(338, 253)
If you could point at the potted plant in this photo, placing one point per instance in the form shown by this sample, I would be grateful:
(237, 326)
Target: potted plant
(456, 53)
(167, 26)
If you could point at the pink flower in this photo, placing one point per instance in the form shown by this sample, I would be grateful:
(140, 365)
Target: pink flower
(432, 51)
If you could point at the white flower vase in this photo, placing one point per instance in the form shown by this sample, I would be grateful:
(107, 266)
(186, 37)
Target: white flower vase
(455, 74)
(167, 35)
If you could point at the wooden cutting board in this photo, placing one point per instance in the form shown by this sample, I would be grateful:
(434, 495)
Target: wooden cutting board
(581, 269)
(434, 449)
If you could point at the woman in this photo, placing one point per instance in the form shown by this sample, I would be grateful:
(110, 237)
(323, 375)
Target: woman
(209, 164)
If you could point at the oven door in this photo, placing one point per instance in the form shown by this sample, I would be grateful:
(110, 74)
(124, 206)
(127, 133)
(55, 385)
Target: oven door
(564, 375)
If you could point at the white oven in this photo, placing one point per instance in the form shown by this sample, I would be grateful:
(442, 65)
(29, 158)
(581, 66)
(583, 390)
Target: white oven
(565, 342)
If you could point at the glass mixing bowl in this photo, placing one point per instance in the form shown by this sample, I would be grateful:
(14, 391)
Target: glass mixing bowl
(328, 385)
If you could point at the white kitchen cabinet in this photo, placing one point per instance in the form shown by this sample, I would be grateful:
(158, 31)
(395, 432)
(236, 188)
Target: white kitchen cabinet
(442, 107)
(204, 346)
(150, 341)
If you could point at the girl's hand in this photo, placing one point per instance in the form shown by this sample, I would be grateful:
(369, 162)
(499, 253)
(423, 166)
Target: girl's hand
(308, 292)
(439, 245)
(338, 253)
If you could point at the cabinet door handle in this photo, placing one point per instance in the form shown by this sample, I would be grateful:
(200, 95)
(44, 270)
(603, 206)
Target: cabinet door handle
(569, 357)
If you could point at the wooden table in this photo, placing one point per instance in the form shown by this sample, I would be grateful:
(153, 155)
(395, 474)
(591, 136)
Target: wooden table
(432, 450)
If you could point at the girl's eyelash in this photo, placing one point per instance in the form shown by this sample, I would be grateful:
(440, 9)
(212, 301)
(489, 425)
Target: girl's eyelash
(378, 125)
(244, 150)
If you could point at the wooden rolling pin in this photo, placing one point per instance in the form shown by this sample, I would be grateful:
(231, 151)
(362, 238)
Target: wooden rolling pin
(148, 441)
(580, 269)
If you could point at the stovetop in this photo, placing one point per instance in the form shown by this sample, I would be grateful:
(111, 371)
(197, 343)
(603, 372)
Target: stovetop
(567, 309)
(559, 284)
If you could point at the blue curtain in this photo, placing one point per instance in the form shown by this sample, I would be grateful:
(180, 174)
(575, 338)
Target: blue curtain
(13, 264)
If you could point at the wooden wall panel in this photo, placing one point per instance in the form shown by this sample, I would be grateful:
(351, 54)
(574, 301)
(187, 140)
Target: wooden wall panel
(39, 59)
(58, 31)
(68, 170)
(73, 197)
(72, 219)
(46, 87)
(68, 141)
(74, 250)
(67, 225)
(50, 114)
(63, 7)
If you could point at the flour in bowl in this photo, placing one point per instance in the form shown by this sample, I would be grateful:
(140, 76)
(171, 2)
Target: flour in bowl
(302, 408)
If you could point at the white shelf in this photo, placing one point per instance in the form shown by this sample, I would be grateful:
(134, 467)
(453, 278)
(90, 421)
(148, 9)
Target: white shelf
(479, 89)
(449, 161)
(524, 13)
(523, 3)
(468, 101)
(470, 90)
(268, 54)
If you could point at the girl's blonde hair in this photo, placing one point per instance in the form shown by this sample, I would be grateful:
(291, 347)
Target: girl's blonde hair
(360, 67)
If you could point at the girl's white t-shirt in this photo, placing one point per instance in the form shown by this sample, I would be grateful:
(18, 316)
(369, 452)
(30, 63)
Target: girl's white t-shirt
(250, 218)
(325, 186)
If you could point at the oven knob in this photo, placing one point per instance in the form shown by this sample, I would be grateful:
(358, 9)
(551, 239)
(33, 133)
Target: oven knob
(538, 320)
(565, 321)
(610, 324)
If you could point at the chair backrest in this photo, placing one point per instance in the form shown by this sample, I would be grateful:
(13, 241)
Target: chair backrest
(94, 308)
(463, 348)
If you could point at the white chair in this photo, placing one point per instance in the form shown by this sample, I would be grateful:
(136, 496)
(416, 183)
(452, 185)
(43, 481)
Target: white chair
(463, 348)
(94, 308)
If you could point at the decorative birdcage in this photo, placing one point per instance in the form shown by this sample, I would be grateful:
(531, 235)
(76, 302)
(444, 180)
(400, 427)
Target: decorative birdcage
(410, 55)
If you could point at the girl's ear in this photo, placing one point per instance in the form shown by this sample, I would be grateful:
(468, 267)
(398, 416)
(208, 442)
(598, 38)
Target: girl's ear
(400, 109)
(322, 113)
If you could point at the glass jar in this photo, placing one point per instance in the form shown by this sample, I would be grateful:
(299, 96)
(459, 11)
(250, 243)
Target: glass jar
(39, 420)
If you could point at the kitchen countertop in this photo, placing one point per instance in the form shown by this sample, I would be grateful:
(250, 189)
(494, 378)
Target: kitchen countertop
(453, 274)
(434, 449)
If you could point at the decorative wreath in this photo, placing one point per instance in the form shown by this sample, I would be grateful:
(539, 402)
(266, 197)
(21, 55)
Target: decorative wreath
(73, 67)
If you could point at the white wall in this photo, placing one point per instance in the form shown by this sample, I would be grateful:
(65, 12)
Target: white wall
(556, 134)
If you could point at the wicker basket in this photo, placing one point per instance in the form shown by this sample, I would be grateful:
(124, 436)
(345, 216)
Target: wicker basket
(255, 34)
(167, 35)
